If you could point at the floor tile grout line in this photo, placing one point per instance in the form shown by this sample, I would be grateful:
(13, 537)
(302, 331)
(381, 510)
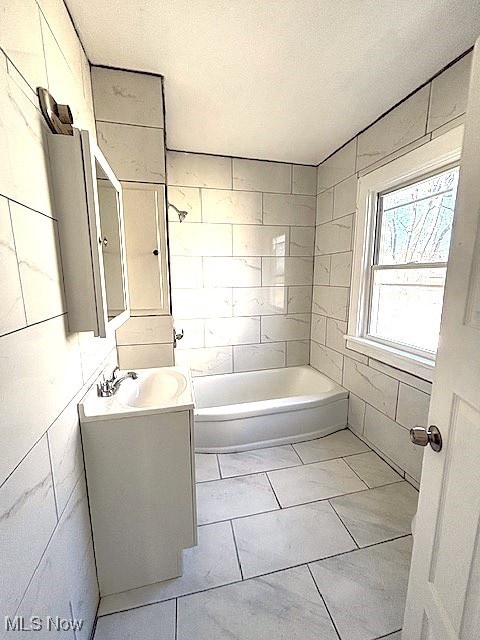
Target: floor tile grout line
(291, 445)
(183, 595)
(261, 575)
(301, 504)
(295, 466)
(388, 635)
(251, 473)
(346, 528)
(218, 466)
(358, 476)
(298, 455)
(276, 497)
(236, 551)
(324, 603)
(176, 618)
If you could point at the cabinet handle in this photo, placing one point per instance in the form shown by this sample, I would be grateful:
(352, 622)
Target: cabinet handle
(155, 252)
(103, 241)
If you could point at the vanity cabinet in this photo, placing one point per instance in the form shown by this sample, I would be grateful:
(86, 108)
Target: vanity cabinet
(141, 497)
(146, 248)
(88, 202)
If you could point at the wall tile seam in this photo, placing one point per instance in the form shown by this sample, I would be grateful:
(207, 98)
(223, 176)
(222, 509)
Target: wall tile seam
(82, 390)
(26, 206)
(334, 220)
(395, 106)
(31, 95)
(429, 106)
(399, 380)
(33, 324)
(203, 187)
(393, 465)
(218, 155)
(54, 484)
(72, 24)
(22, 292)
(407, 429)
(42, 555)
(130, 124)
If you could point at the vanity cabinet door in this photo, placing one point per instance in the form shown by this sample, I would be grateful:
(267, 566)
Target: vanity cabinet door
(146, 248)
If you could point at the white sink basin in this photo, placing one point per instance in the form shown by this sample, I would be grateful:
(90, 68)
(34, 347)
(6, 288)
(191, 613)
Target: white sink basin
(152, 389)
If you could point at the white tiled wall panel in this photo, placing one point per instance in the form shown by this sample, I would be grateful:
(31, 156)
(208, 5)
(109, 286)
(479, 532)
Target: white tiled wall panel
(27, 520)
(259, 356)
(145, 356)
(298, 352)
(345, 197)
(12, 313)
(238, 207)
(233, 272)
(449, 93)
(393, 440)
(24, 170)
(304, 180)
(380, 408)
(337, 167)
(128, 98)
(253, 240)
(145, 330)
(334, 236)
(324, 206)
(326, 360)
(21, 39)
(284, 271)
(302, 241)
(38, 253)
(260, 301)
(286, 327)
(255, 175)
(208, 361)
(229, 331)
(197, 170)
(134, 153)
(397, 129)
(289, 209)
(204, 303)
(44, 369)
(184, 200)
(330, 301)
(200, 240)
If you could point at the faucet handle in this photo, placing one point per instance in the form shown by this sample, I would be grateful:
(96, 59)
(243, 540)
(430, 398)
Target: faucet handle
(114, 373)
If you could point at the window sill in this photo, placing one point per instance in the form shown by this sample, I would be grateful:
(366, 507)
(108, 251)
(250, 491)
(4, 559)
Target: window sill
(408, 362)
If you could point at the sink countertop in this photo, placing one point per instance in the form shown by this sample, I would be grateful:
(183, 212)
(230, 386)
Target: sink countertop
(92, 407)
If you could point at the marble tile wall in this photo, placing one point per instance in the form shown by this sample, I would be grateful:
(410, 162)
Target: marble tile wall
(131, 133)
(48, 566)
(241, 261)
(384, 402)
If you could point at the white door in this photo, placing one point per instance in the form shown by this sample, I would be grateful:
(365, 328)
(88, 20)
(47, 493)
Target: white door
(443, 601)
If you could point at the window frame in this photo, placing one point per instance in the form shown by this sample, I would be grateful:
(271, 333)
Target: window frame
(434, 156)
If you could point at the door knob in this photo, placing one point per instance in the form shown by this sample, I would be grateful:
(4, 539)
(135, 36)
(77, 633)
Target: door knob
(431, 436)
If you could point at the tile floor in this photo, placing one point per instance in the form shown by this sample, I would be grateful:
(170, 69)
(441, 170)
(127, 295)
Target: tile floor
(298, 542)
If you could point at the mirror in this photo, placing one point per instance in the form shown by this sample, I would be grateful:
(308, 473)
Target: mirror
(109, 211)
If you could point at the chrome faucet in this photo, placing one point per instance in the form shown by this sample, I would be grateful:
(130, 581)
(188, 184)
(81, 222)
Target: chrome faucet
(108, 388)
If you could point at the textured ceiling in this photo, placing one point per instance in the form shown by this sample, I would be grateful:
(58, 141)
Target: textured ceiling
(277, 79)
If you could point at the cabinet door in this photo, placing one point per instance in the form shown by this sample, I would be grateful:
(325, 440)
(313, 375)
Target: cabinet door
(146, 248)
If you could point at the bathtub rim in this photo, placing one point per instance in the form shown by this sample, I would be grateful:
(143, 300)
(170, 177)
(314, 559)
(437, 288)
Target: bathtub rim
(285, 404)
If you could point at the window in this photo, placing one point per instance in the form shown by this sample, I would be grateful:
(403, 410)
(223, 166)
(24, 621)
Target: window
(404, 224)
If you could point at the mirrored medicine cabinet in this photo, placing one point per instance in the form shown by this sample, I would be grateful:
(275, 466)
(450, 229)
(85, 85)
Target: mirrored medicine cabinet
(88, 201)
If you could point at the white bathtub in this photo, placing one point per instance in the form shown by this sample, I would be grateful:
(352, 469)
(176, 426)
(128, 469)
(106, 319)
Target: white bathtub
(241, 411)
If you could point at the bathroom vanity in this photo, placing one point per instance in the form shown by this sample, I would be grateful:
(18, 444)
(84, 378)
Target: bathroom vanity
(139, 459)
